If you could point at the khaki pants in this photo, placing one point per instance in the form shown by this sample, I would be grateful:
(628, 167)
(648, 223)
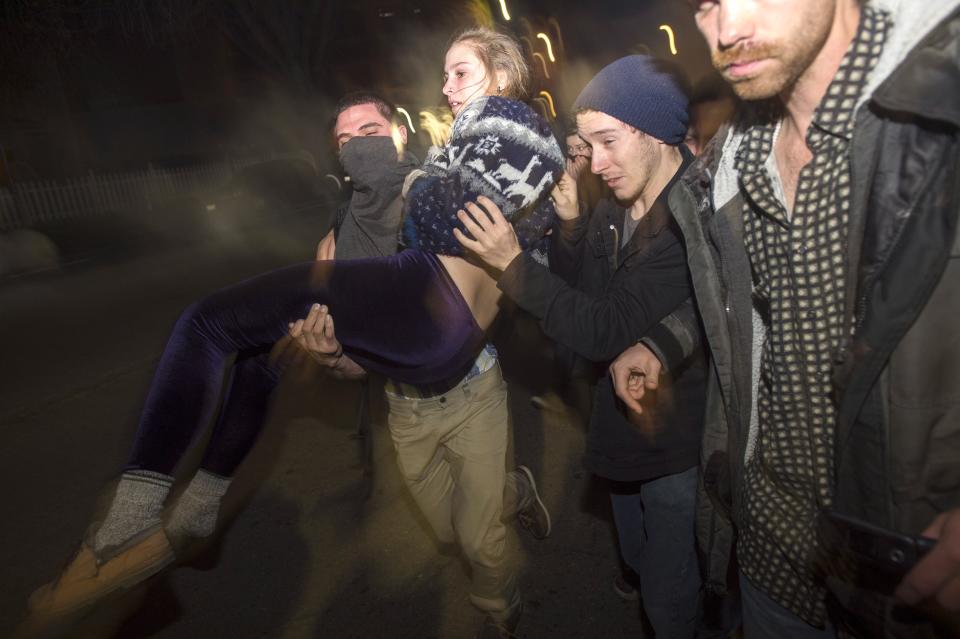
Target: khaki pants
(452, 450)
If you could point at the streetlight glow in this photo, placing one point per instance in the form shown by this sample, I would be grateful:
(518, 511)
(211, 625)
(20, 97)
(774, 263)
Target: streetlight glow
(407, 116)
(503, 10)
(546, 38)
(673, 44)
(549, 98)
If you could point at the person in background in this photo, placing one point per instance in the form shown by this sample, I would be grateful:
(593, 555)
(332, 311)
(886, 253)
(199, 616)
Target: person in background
(590, 188)
(707, 115)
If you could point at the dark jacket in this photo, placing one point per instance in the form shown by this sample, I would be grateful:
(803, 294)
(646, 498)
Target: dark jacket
(620, 294)
(897, 445)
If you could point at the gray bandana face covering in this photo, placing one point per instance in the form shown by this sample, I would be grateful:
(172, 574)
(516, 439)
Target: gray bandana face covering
(377, 178)
(372, 164)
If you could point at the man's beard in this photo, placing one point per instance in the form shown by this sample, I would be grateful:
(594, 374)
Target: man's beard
(791, 59)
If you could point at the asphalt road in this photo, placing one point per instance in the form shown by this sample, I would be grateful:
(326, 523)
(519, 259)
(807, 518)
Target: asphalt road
(309, 546)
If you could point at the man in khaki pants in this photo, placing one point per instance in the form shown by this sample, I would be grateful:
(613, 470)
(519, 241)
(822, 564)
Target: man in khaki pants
(451, 445)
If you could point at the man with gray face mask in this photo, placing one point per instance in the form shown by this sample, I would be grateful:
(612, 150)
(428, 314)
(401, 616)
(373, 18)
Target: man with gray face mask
(367, 225)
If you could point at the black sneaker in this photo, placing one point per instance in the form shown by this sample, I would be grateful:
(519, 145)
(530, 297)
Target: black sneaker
(506, 629)
(535, 517)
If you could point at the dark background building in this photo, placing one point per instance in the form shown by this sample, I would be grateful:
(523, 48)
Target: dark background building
(127, 84)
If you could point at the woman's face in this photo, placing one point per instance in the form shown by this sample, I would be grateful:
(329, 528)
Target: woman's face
(465, 77)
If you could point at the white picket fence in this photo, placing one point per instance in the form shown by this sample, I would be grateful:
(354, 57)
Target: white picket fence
(28, 204)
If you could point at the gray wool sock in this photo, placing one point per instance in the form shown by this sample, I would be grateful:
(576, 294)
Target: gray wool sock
(195, 514)
(136, 507)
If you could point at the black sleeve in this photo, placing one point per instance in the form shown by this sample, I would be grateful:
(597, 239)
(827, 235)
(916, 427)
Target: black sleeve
(566, 248)
(676, 337)
(600, 327)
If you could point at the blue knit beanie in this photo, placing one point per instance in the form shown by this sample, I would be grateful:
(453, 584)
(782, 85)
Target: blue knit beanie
(636, 92)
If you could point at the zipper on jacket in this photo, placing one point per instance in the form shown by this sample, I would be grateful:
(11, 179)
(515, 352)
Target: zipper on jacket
(616, 247)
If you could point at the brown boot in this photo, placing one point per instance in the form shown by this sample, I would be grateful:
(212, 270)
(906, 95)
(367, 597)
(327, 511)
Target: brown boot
(87, 579)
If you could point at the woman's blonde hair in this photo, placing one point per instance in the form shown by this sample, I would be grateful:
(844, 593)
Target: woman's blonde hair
(498, 52)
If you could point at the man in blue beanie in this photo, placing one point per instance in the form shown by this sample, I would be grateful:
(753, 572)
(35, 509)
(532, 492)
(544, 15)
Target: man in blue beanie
(611, 281)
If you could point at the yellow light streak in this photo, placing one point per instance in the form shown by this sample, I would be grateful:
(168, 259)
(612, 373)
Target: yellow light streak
(407, 116)
(546, 38)
(542, 106)
(670, 37)
(503, 10)
(549, 98)
(480, 13)
(544, 62)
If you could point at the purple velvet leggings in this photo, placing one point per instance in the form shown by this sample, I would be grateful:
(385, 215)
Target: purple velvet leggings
(400, 316)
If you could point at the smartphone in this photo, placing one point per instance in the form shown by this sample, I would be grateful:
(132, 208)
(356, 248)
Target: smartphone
(867, 555)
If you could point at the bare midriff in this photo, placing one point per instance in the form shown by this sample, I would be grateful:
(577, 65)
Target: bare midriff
(478, 288)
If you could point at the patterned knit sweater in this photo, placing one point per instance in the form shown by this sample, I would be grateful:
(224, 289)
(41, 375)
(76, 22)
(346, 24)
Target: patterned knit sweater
(499, 148)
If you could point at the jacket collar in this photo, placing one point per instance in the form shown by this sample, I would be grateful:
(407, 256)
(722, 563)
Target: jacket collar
(699, 177)
(913, 23)
(657, 218)
(927, 81)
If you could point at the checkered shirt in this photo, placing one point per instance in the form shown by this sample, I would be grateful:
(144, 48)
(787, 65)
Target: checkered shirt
(798, 261)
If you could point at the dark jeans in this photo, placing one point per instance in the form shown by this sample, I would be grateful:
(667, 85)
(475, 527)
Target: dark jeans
(655, 524)
(764, 618)
(400, 316)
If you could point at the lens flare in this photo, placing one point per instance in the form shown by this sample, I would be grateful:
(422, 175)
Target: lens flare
(670, 37)
(480, 13)
(407, 116)
(546, 94)
(546, 38)
(437, 125)
(544, 62)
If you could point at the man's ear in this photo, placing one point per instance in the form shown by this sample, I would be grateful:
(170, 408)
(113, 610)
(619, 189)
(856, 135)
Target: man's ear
(398, 133)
